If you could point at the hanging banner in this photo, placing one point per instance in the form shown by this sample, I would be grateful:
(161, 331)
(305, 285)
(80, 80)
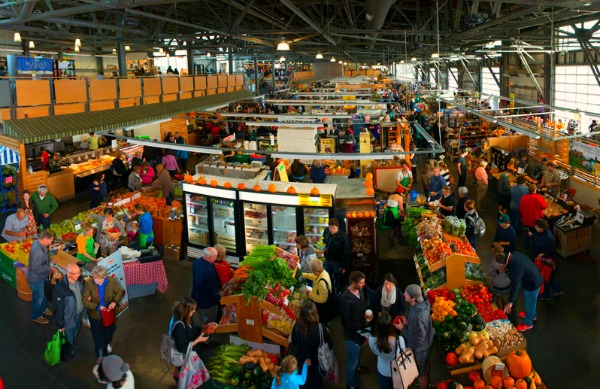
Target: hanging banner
(114, 267)
(37, 65)
(585, 156)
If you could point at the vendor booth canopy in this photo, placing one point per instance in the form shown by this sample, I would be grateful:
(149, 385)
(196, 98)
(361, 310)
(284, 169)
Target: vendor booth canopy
(8, 156)
(55, 127)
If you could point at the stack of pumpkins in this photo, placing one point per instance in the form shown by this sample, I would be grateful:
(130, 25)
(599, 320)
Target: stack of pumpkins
(370, 191)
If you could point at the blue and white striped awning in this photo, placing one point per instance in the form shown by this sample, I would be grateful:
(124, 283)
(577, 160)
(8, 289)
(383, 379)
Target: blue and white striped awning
(9, 156)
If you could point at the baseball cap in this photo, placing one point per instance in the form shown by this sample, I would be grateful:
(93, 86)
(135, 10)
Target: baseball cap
(463, 190)
(504, 218)
(415, 291)
(114, 367)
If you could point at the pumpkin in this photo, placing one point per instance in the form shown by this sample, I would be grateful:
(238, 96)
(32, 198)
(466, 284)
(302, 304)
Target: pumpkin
(213, 183)
(368, 183)
(241, 186)
(202, 181)
(360, 214)
(272, 188)
(496, 382)
(256, 188)
(442, 385)
(369, 176)
(291, 190)
(353, 214)
(348, 215)
(188, 178)
(521, 384)
(479, 384)
(519, 364)
(314, 191)
(227, 185)
(370, 192)
(372, 214)
(508, 382)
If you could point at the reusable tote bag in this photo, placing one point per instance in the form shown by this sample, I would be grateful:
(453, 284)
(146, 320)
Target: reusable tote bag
(52, 353)
(404, 367)
(193, 373)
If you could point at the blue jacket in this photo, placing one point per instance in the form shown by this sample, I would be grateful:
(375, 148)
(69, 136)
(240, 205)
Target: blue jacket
(506, 235)
(146, 223)
(544, 243)
(419, 329)
(317, 174)
(64, 304)
(39, 263)
(291, 381)
(516, 194)
(205, 284)
(435, 185)
(521, 270)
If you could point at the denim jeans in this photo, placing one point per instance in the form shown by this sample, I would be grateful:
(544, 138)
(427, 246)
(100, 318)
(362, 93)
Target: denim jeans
(530, 305)
(169, 198)
(102, 336)
(473, 241)
(71, 333)
(45, 222)
(385, 382)
(353, 351)
(38, 299)
(335, 272)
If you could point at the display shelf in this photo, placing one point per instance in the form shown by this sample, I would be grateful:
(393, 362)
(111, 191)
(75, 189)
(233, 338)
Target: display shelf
(316, 224)
(313, 234)
(194, 203)
(260, 228)
(283, 230)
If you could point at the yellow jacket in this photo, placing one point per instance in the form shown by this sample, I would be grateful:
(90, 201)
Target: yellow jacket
(320, 290)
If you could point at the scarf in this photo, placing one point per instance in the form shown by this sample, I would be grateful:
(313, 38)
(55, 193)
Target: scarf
(388, 299)
(76, 289)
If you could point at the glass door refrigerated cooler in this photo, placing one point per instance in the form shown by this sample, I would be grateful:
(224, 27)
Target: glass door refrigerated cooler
(285, 227)
(256, 225)
(197, 219)
(224, 222)
(316, 220)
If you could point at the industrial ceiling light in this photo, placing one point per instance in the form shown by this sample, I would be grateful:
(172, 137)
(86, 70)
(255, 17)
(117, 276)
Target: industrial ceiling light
(283, 46)
(282, 59)
(401, 61)
(319, 56)
(17, 37)
(78, 42)
(332, 59)
(127, 48)
(162, 51)
(208, 55)
(31, 45)
(435, 55)
(114, 51)
(341, 62)
(413, 59)
(77, 49)
(345, 63)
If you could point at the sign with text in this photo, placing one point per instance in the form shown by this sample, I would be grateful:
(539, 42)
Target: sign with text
(585, 156)
(114, 266)
(306, 200)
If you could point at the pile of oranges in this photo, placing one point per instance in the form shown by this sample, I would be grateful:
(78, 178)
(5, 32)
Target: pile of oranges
(441, 308)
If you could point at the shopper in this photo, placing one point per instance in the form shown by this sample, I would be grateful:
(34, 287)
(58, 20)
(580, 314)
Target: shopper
(163, 181)
(93, 141)
(500, 278)
(137, 159)
(119, 170)
(531, 208)
(481, 179)
(461, 167)
(182, 155)
(102, 294)
(298, 171)
(321, 290)
(551, 179)
(503, 192)
(463, 192)
(337, 252)
(353, 309)
(134, 182)
(114, 372)
(170, 164)
(105, 224)
(222, 266)
(305, 340)
(516, 194)
(389, 297)
(306, 253)
(523, 165)
(38, 272)
(146, 173)
(146, 226)
(317, 172)
(392, 220)
(68, 304)
(543, 247)
(426, 175)
(287, 376)
(446, 203)
(418, 330)
(206, 287)
(384, 344)
(15, 226)
(505, 236)
(32, 215)
(445, 173)
(45, 204)
(436, 183)
(151, 154)
(98, 191)
(86, 247)
(523, 272)
(471, 218)
(404, 179)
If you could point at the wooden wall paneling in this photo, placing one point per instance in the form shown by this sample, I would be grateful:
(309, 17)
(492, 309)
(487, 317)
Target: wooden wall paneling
(130, 88)
(70, 91)
(4, 114)
(221, 80)
(124, 103)
(152, 87)
(103, 90)
(199, 93)
(221, 90)
(102, 105)
(211, 91)
(32, 112)
(239, 79)
(169, 97)
(151, 99)
(33, 92)
(65, 109)
(199, 83)
(231, 80)
(211, 82)
(170, 85)
(173, 126)
(185, 95)
(186, 84)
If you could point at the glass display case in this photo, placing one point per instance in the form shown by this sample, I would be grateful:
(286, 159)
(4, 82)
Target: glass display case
(256, 225)
(197, 219)
(223, 212)
(284, 227)
(315, 222)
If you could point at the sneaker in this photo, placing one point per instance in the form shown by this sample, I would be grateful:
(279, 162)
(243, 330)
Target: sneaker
(108, 348)
(522, 316)
(523, 327)
(86, 323)
(47, 312)
(41, 320)
(555, 294)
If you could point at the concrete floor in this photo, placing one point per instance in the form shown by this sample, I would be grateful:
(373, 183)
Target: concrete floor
(564, 344)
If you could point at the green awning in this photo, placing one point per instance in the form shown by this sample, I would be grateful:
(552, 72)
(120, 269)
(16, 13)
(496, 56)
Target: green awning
(55, 127)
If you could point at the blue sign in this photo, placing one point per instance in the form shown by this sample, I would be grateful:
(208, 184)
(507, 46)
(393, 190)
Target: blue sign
(28, 65)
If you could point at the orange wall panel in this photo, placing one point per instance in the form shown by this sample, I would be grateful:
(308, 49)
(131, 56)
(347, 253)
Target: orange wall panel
(5, 114)
(103, 90)
(186, 84)
(185, 95)
(211, 91)
(70, 91)
(32, 112)
(151, 86)
(211, 82)
(124, 103)
(33, 92)
(199, 93)
(231, 80)
(171, 97)
(129, 88)
(221, 90)
(170, 85)
(200, 82)
(64, 109)
(102, 105)
(239, 79)
(151, 99)
(222, 80)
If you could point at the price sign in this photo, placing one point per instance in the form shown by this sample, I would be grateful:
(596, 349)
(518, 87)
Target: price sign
(136, 196)
(304, 199)
(326, 200)
(348, 97)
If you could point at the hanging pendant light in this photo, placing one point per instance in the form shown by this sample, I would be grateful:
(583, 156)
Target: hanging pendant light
(78, 42)
(319, 56)
(17, 37)
(332, 59)
(282, 59)
(31, 45)
(283, 46)
(77, 49)
(127, 48)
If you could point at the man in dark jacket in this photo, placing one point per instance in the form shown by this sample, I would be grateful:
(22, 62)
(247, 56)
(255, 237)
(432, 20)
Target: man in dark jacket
(206, 287)
(418, 330)
(337, 252)
(353, 309)
(39, 271)
(522, 272)
(67, 304)
(463, 192)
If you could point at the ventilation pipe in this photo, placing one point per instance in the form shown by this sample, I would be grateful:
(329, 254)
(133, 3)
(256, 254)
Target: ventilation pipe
(377, 11)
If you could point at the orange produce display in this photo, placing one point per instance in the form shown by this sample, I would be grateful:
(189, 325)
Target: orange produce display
(435, 250)
(441, 308)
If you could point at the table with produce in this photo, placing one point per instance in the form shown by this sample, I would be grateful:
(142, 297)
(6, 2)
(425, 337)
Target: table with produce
(260, 300)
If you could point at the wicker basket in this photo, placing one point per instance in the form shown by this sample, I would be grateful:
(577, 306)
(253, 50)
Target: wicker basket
(113, 235)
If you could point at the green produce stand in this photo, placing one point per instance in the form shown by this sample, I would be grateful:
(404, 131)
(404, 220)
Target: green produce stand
(7, 270)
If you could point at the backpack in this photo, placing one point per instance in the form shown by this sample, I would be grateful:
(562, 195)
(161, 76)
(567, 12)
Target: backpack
(477, 225)
(168, 352)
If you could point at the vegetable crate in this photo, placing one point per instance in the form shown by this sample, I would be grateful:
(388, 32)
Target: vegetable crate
(455, 266)
(249, 324)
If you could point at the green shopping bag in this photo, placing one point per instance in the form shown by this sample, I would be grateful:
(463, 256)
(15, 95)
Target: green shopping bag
(52, 353)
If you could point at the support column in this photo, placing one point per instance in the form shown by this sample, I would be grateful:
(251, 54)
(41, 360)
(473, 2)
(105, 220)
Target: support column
(122, 59)
(190, 62)
(273, 73)
(230, 58)
(256, 89)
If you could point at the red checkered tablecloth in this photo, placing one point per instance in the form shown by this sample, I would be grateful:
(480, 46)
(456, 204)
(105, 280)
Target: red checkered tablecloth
(146, 273)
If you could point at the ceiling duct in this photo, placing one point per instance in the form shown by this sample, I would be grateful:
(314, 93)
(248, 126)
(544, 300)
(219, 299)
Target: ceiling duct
(377, 11)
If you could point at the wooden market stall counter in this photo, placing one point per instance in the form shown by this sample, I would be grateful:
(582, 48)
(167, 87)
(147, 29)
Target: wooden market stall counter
(61, 185)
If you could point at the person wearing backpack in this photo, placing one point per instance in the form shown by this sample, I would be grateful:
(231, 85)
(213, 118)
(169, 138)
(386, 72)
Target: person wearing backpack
(305, 342)
(475, 224)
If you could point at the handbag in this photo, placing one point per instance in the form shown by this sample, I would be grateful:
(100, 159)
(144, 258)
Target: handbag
(168, 351)
(52, 353)
(404, 367)
(106, 315)
(193, 373)
(327, 361)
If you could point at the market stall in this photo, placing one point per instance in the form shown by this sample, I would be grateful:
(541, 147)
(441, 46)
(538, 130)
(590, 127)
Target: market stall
(9, 167)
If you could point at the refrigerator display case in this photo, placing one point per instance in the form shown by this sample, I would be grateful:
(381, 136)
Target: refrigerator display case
(316, 220)
(285, 227)
(197, 219)
(256, 225)
(223, 223)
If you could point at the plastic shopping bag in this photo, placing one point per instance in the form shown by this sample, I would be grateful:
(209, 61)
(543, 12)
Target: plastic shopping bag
(52, 353)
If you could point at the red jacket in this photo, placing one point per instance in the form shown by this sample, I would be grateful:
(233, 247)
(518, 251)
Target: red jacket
(532, 208)
(223, 271)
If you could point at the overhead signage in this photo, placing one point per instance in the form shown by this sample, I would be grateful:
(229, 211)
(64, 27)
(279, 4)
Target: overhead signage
(308, 200)
(585, 156)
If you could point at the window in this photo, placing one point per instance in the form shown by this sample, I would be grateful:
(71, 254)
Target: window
(452, 84)
(566, 42)
(405, 72)
(576, 88)
(433, 77)
(488, 83)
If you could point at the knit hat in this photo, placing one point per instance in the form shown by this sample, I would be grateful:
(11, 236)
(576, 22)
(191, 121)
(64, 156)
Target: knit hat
(415, 291)
(392, 203)
(114, 367)
(504, 218)
(463, 190)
